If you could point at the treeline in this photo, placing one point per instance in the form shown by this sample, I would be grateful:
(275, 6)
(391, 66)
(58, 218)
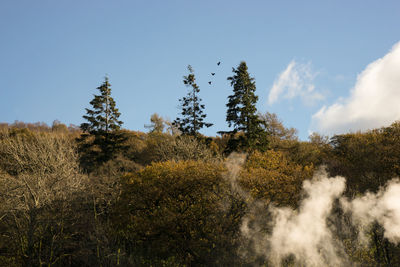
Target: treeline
(101, 195)
(165, 200)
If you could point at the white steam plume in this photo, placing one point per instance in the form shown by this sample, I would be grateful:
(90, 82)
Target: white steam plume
(305, 233)
(382, 207)
(307, 236)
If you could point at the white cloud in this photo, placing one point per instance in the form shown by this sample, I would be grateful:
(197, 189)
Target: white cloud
(373, 102)
(295, 81)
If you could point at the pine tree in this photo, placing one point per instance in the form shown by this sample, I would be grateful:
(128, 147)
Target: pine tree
(192, 119)
(242, 112)
(101, 139)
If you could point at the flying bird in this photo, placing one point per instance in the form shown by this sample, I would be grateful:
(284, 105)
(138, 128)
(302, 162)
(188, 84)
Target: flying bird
(212, 73)
(209, 82)
(219, 62)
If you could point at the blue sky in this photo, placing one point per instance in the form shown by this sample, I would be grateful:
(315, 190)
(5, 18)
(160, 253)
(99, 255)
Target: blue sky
(53, 55)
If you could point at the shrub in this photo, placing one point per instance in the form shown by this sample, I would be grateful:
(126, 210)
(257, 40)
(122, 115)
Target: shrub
(179, 210)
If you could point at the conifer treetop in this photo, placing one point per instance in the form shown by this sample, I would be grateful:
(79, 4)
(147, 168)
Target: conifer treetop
(192, 119)
(103, 117)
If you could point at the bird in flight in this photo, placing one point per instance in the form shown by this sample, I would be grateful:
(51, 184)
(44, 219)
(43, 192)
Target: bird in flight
(209, 82)
(219, 62)
(212, 73)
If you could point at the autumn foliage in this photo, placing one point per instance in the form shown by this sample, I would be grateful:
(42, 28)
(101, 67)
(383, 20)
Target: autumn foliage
(168, 199)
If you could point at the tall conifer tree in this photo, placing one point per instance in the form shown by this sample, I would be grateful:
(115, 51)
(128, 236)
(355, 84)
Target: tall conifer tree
(101, 139)
(192, 119)
(242, 111)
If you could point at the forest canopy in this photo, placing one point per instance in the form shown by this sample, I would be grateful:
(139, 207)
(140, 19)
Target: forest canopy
(101, 195)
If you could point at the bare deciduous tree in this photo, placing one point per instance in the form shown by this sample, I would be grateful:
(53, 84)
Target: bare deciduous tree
(39, 178)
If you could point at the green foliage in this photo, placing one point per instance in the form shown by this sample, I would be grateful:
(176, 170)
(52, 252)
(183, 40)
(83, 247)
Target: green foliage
(104, 115)
(101, 140)
(242, 112)
(192, 120)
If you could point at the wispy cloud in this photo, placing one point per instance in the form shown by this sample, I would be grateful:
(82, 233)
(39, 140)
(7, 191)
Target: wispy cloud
(297, 80)
(373, 102)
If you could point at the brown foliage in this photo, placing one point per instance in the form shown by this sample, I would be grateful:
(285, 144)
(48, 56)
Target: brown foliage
(38, 176)
(368, 160)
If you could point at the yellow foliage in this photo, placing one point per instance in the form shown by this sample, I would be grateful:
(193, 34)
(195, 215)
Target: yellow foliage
(271, 176)
(172, 206)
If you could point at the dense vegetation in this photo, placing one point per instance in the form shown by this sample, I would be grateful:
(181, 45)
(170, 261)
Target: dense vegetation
(100, 195)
